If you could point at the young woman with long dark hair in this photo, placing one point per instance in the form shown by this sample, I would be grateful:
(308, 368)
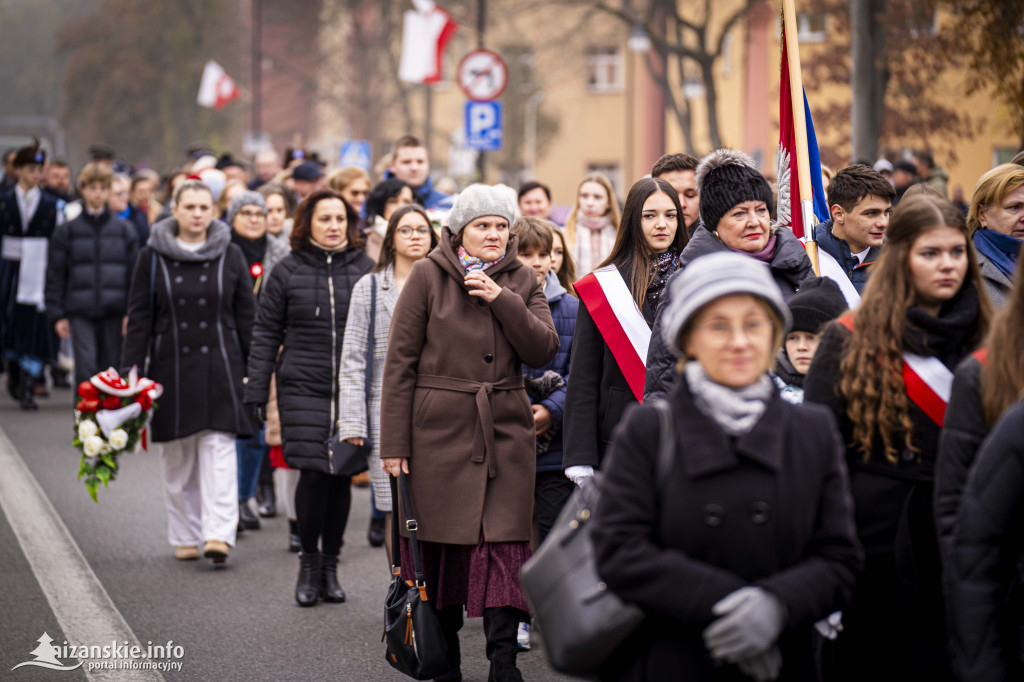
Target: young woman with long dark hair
(886, 372)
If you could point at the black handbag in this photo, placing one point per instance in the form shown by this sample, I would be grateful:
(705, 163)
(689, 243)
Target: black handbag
(351, 459)
(581, 621)
(415, 640)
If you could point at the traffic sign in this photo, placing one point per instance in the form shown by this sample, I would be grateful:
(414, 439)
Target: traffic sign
(483, 75)
(483, 126)
(355, 153)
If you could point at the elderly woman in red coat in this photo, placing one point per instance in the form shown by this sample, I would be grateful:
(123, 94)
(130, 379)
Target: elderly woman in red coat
(459, 422)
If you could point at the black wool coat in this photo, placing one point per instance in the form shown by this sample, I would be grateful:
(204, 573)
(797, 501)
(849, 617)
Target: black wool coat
(198, 336)
(89, 268)
(984, 558)
(771, 508)
(295, 311)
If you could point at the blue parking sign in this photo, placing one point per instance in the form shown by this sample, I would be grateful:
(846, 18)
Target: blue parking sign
(483, 126)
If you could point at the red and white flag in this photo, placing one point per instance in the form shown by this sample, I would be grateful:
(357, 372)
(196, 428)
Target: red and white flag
(426, 32)
(216, 88)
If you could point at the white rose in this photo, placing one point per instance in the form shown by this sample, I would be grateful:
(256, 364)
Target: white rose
(93, 445)
(118, 439)
(87, 429)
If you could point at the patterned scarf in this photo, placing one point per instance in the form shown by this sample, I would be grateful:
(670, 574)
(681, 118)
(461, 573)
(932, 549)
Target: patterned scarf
(664, 266)
(472, 263)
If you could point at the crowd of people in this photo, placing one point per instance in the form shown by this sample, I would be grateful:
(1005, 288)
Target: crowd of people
(847, 478)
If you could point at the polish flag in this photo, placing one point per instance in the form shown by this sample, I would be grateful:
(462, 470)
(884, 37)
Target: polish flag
(426, 31)
(216, 88)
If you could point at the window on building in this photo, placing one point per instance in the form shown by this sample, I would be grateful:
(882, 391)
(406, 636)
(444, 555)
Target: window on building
(604, 69)
(612, 171)
(923, 21)
(1003, 155)
(812, 27)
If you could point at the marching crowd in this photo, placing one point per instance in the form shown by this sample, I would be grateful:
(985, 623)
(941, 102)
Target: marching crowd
(844, 492)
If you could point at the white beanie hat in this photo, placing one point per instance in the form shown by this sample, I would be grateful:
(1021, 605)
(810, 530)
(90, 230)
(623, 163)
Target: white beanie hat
(711, 277)
(477, 201)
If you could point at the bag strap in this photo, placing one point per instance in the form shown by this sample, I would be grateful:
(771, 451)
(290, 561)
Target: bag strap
(666, 443)
(152, 310)
(369, 344)
(412, 526)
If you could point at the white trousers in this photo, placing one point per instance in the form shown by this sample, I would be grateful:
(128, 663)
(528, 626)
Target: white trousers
(201, 488)
(285, 483)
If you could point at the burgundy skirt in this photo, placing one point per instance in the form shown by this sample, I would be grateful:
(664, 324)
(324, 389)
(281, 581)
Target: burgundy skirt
(480, 577)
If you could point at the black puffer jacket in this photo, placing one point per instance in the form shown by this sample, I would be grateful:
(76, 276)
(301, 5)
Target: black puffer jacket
(297, 300)
(89, 267)
(986, 544)
(789, 268)
(962, 432)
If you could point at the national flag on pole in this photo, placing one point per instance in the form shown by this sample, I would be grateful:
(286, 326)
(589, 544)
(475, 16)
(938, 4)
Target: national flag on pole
(216, 88)
(790, 212)
(426, 32)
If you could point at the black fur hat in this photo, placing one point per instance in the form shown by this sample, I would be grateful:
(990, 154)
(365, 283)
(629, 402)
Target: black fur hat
(725, 178)
(29, 155)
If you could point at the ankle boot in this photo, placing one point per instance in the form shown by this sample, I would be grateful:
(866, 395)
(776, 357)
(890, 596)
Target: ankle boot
(375, 533)
(500, 627)
(330, 590)
(450, 618)
(246, 519)
(307, 588)
(265, 499)
(294, 544)
(27, 392)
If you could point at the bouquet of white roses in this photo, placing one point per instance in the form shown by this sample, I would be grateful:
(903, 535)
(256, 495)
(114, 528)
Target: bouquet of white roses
(111, 419)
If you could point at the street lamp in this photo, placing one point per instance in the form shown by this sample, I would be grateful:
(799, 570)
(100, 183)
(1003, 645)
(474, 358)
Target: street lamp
(638, 41)
(693, 87)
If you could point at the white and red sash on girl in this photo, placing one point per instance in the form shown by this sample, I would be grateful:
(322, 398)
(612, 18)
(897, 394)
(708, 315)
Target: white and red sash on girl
(620, 322)
(929, 382)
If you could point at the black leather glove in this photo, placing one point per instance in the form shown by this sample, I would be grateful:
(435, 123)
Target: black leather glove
(258, 412)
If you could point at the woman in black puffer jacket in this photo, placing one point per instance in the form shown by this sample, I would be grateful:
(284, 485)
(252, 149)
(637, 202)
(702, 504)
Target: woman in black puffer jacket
(307, 297)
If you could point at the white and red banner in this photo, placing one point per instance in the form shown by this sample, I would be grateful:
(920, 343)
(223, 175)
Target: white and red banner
(620, 322)
(426, 32)
(216, 88)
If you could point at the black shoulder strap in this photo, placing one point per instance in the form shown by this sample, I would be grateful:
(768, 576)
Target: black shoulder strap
(666, 443)
(152, 311)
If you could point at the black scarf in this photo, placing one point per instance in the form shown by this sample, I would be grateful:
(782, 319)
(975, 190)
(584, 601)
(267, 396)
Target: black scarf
(946, 336)
(254, 250)
(663, 267)
(785, 370)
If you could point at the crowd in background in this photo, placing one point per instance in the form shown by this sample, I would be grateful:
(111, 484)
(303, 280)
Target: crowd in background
(848, 470)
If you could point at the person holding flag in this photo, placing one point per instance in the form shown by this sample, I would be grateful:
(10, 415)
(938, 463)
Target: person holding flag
(885, 371)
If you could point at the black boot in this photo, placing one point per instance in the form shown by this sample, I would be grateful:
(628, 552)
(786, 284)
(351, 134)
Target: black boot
(450, 618)
(500, 628)
(246, 519)
(330, 590)
(27, 392)
(60, 378)
(375, 534)
(14, 379)
(265, 499)
(294, 544)
(307, 589)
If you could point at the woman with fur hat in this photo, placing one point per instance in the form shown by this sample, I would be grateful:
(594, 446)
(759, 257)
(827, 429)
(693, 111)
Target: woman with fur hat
(885, 371)
(747, 538)
(735, 209)
(460, 424)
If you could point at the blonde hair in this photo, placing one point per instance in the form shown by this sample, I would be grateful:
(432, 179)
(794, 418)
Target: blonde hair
(341, 178)
(992, 188)
(613, 207)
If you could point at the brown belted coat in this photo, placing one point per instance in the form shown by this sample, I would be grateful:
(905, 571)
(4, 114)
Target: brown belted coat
(453, 399)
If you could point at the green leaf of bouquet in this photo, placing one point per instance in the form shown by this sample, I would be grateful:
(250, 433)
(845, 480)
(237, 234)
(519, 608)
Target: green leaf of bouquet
(103, 473)
(91, 484)
(109, 461)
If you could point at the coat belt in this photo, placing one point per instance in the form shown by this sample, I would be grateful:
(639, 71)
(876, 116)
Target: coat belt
(483, 438)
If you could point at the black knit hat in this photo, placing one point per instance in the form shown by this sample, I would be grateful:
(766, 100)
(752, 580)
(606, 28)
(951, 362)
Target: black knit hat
(725, 178)
(818, 302)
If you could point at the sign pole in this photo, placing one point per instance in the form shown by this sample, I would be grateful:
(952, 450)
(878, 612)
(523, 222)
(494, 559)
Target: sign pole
(481, 24)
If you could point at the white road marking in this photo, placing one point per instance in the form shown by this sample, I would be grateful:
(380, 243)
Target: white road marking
(83, 608)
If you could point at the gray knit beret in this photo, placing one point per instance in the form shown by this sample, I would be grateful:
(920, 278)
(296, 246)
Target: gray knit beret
(246, 198)
(477, 201)
(711, 277)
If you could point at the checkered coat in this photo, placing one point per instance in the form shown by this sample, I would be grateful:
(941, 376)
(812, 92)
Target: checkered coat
(356, 420)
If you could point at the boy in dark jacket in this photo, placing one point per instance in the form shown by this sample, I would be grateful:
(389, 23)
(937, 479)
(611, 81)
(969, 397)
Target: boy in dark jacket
(818, 302)
(88, 274)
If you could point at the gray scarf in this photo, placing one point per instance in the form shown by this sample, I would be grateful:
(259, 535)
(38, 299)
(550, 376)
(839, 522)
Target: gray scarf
(736, 410)
(163, 240)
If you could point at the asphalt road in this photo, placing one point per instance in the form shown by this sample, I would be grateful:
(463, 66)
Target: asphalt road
(238, 623)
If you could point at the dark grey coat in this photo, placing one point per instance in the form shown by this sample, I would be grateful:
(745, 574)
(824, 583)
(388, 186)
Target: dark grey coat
(89, 267)
(772, 508)
(198, 336)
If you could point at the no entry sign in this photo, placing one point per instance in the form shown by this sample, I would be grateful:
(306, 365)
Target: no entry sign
(483, 75)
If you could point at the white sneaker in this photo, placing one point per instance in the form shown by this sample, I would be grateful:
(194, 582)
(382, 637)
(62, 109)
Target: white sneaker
(523, 637)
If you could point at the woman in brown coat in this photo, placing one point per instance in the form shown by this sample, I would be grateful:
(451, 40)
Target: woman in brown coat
(460, 423)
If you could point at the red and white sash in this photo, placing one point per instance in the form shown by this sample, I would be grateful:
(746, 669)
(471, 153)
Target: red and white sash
(829, 267)
(929, 382)
(620, 322)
